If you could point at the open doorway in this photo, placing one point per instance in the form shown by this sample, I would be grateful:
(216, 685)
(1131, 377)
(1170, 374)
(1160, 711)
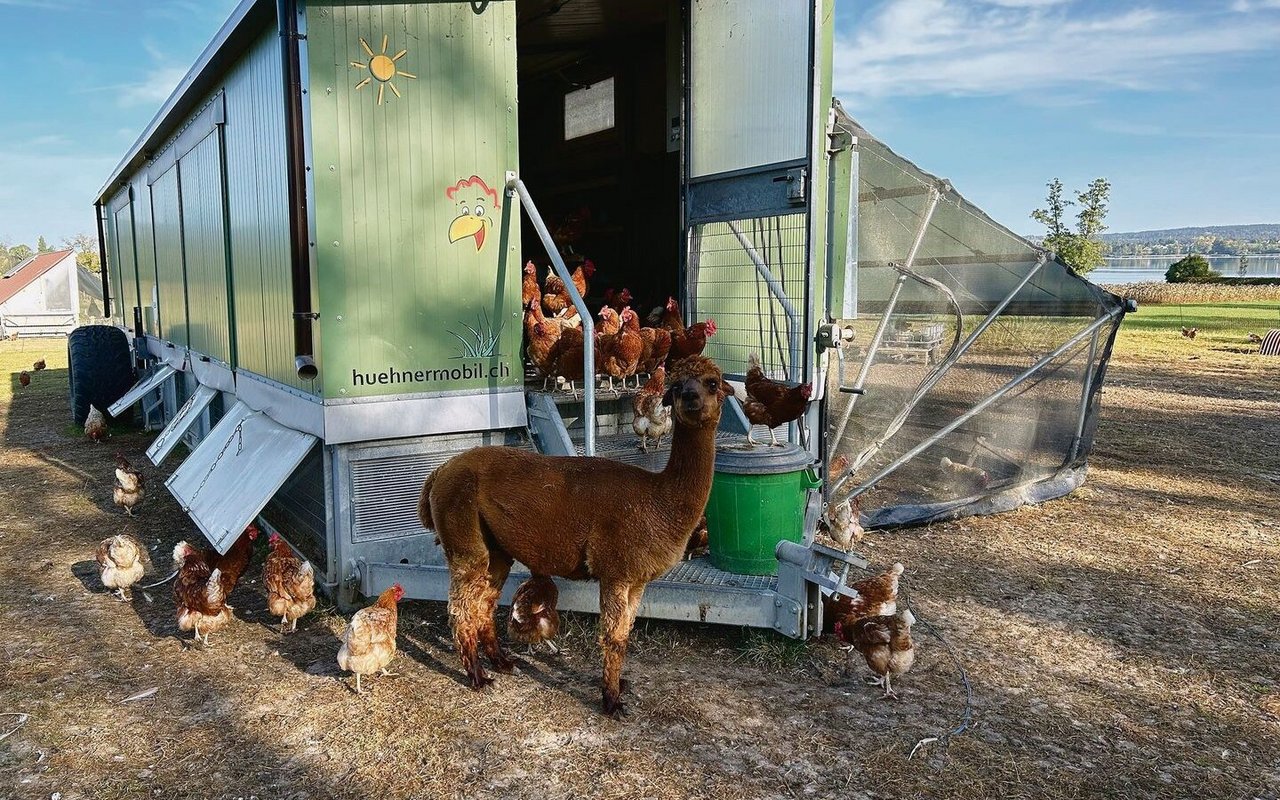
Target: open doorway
(600, 87)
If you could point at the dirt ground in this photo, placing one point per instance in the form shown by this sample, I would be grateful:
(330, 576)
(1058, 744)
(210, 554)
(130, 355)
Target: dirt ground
(1119, 642)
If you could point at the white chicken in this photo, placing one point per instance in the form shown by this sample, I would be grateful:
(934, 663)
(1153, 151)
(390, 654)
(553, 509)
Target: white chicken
(123, 561)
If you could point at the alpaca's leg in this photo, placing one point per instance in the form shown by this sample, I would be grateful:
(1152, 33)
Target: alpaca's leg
(499, 568)
(615, 628)
(467, 592)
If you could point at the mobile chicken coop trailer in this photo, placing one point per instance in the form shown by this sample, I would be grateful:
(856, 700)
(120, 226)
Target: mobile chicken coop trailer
(316, 247)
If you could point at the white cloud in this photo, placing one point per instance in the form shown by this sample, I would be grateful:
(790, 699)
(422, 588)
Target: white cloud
(1246, 6)
(48, 190)
(922, 47)
(152, 90)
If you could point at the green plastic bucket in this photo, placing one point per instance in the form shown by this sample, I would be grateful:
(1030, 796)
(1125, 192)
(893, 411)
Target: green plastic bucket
(758, 499)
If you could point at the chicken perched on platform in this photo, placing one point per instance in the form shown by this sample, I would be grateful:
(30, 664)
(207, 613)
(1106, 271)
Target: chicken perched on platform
(39, 365)
(291, 584)
(130, 485)
(95, 425)
(876, 596)
(529, 288)
(123, 561)
(657, 344)
(618, 355)
(198, 593)
(534, 619)
(540, 335)
(771, 403)
(24, 378)
(566, 357)
(652, 418)
(369, 641)
(556, 298)
(618, 300)
(885, 644)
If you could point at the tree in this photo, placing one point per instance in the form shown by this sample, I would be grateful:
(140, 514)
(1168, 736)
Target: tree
(1080, 249)
(42, 246)
(86, 248)
(1188, 269)
(18, 253)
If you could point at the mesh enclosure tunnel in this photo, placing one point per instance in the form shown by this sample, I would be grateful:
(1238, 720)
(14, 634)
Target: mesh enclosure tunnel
(978, 356)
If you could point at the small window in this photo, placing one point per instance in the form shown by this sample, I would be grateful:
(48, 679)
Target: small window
(589, 110)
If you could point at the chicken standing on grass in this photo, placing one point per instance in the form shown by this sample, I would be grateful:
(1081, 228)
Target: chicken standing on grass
(885, 644)
(369, 642)
(95, 425)
(291, 584)
(123, 561)
(38, 365)
(24, 378)
(130, 485)
(199, 593)
(534, 619)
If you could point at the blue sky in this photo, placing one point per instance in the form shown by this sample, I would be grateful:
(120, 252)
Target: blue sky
(1177, 103)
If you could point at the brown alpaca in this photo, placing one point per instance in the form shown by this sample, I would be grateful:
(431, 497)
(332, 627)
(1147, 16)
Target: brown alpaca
(574, 517)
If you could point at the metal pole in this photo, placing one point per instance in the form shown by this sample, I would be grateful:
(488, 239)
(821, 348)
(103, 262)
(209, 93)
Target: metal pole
(870, 357)
(939, 371)
(776, 289)
(978, 409)
(514, 184)
(1084, 396)
(849, 305)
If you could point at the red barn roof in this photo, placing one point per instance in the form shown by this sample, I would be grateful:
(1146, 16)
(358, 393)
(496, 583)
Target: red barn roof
(27, 273)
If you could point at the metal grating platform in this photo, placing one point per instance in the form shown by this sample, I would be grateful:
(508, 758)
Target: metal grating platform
(625, 447)
(700, 572)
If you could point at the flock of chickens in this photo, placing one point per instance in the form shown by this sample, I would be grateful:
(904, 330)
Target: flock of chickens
(24, 377)
(623, 349)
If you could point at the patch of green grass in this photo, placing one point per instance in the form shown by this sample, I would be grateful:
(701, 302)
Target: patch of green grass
(768, 650)
(1227, 323)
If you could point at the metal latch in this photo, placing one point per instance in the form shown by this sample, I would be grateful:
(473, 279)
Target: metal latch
(795, 185)
(833, 334)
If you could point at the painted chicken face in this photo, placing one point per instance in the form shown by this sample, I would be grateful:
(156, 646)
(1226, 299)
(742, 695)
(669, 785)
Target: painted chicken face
(476, 204)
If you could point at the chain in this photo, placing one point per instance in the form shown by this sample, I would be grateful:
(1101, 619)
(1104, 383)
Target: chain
(169, 429)
(238, 435)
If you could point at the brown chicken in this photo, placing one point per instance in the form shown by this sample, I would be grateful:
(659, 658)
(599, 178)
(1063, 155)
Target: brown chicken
(1190, 333)
(975, 477)
(657, 344)
(236, 560)
(24, 378)
(123, 561)
(691, 341)
(198, 593)
(534, 619)
(571, 228)
(541, 335)
(556, 297)
(652, 418)
(877, 596)
(569, 318)
(369, 642)
(291, 584)
(130, 485)
(566, 357)
(771, 403)
(621, 358)
(95, 425)
(885, 644)
(618, 300)
(699, 541)
(670, 317)
(39, 365)
(529, 288)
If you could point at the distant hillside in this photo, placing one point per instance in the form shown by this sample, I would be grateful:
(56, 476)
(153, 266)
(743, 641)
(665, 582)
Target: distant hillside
(1242, 233)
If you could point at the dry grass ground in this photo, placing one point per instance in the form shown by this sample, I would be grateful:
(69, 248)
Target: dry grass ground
(1120, 642)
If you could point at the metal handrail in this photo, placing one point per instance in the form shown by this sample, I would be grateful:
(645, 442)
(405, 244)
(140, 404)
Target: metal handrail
(514, 184)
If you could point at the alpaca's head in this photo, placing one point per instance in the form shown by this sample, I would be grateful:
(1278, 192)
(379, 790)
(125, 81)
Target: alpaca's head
(696, 390)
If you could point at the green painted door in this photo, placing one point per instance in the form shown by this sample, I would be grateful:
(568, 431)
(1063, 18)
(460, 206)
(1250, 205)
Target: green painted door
(413, 125)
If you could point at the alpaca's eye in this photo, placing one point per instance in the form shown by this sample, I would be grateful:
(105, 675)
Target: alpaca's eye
(713, 384)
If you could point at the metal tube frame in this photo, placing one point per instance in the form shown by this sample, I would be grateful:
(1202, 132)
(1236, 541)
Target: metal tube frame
(1085, 391)
(940, 370)
(777, 290)
(514, 184)
(980, 407)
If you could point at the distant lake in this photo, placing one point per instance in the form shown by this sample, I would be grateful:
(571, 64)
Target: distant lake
(1145, 269)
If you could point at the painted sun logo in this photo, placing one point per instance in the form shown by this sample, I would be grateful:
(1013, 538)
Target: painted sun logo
(382, 68)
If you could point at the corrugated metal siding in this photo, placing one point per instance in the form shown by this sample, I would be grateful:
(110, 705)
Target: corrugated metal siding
(127, 263)
(145, 249)
(204, 246)
(393, 290)
(112, 265)
(170, 270)
(258, 208)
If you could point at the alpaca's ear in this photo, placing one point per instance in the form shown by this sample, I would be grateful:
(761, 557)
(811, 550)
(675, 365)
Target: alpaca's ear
(669, 399)
(726, 389)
